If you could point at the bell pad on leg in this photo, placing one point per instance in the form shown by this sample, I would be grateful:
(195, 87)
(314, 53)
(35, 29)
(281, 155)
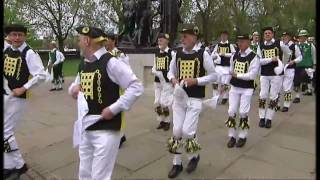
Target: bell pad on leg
(174, 144)
(165, 111)
(288, 96)
(158, 110)
(273, 104)
(192, 146)
(231, 122)
(244, 123)
(7, 147)
(262, 103)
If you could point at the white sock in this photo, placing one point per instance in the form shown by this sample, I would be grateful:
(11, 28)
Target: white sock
(177, 159)
(270, 114)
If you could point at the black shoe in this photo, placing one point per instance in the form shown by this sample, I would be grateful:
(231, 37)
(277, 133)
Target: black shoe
(175, 171)
(59, 89)
(16, 172)
(285, 109)
(224, 101)
(308, 93)
(241, 142)
(53, 89)
(296, 100)
(7, 172)
(231, 142)
(122, 140)
(160, 126)
(193, 163)
(268, 123)
(262, 123)
(166, 126)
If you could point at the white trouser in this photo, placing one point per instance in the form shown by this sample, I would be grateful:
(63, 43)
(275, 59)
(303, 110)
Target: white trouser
(243, 96)
(185, 123)
(269, 86)
(223, 79)
(13, 109)
(163, 94)
(287, 84)
(98, 153)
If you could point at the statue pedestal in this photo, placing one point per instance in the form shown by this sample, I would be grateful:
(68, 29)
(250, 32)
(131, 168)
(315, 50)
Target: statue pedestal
(141, 61)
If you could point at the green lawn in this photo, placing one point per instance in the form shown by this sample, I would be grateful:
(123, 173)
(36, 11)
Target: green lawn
(70, 67)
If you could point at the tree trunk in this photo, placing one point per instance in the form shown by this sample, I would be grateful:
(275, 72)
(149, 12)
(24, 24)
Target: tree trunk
(60, 43)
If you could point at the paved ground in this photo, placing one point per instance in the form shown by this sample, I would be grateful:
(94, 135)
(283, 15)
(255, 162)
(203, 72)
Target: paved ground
(286, 151)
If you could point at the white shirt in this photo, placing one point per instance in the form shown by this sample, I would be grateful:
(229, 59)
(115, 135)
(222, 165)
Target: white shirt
(215, 50)
(253, 67)
(59, 57)
(35, 67)
(122, 56)
(5, 45)
(298, 54)
(285, 49)
(207, 64)
(121, 74)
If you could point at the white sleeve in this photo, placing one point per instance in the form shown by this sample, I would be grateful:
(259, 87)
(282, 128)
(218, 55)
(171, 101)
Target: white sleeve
(215, 50)
(36, 69)
(252, 71)
(232, 49)
(313, 53)
(59, 58)
(153, 70)
(74, 83)
(172, 69)
(297, 54)
(121, 74)
(263, 61)
(231, 64)
(62, 56)
(285, 49)
(209, 67)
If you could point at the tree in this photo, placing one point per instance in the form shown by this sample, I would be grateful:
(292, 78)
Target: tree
(53, 16)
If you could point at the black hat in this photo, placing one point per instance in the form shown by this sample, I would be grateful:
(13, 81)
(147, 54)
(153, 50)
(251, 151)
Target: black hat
(267, 28)
(243, 36)
(16, 28)
(194, 30)
(164, 35)
(92, 32)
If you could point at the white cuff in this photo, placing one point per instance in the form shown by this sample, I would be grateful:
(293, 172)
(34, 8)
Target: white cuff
(115, 108)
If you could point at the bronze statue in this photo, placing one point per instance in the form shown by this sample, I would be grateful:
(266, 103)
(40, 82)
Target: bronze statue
(138, 21)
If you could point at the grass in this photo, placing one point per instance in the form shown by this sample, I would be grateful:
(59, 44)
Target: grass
(70, 67)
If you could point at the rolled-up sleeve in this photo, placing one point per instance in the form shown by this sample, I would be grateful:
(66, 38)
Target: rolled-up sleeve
(36, 69)
(172, 68)
(121, 74)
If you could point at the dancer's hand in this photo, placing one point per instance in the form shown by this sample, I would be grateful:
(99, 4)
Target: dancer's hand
(274, 58)
(291, 62)
(75, 90)
(233, 74)
(190, 82)
(174, 81)
(107, 114)
(18, 91)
